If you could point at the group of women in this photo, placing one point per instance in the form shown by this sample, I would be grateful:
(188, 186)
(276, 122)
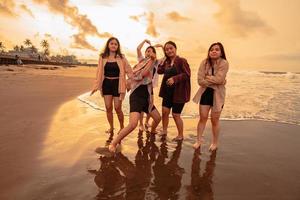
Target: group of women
(175, 89)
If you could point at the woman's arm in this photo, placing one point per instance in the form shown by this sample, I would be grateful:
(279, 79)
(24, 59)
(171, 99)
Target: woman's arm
(220, 77)
(160, 60)
(128, 69)
(201, 75)
(161, 66)
(98, 76)
(185, 74)
(139, 49)
(146, 71)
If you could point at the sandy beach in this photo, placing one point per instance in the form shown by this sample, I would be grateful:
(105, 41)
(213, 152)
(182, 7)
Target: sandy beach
(53, 147)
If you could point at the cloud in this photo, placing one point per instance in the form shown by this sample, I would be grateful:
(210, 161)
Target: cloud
(81, 43)
(7, 8)
(72, 16)
(46, 36)
(151, 28)
(108, 3)
(175, 16)
(149, 17)
(51, 38)
(238, 21)
(26, 9)
(135, 18)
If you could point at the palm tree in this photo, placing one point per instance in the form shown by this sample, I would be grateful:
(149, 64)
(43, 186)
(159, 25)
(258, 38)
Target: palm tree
(46, 52)
(2, 47)
(16, 48)
(45, 45)
(34, 49)
(22, 48)
(27, 43)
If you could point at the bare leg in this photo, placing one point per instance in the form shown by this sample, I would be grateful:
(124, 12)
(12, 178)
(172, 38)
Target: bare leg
(203, 112)
(156, 119)
(118, 109)
(165, 119)
(179, 125)
(133, 121)
(108, 99)
(215, 122)
(141, 125)
(147, 125)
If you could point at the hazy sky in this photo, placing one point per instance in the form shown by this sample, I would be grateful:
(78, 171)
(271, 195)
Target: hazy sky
(259, 34)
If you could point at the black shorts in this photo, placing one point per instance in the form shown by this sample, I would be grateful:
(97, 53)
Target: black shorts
(139, 99)
(207, 98)
(110, 87)
(176, 107)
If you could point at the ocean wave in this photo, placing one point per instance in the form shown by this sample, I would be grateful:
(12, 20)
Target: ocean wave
(289, 75)
(238, 116)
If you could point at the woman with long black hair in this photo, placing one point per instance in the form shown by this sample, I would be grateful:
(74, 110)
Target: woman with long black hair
(175, 87)
(211, 94)
(111, 80)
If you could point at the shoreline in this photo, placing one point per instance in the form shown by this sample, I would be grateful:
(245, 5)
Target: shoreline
(83, 98)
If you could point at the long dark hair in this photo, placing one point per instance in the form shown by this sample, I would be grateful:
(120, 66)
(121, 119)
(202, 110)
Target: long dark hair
(106, 51)
(223, 55)
(170, 43)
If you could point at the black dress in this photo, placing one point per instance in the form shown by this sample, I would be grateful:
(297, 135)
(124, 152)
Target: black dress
(207, 98)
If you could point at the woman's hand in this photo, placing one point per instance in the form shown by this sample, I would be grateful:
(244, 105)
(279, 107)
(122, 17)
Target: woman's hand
(93, 91)
(147, 41)
(170, 81)
(158, 45)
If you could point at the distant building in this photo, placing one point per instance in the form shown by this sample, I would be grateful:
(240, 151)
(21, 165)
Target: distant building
(27, 53)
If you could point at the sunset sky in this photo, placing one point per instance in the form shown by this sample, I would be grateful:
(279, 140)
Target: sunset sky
(260, 34)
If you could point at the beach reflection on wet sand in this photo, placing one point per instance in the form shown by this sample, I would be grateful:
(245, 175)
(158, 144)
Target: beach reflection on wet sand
(154, 173)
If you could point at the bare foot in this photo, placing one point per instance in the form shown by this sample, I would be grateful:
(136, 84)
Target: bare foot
(141, 127)
(109, 131)
(147, 125)
(112, 148)
(163, 133)
(154, 132)
(177, 138)
(199, 143)
(213, 147)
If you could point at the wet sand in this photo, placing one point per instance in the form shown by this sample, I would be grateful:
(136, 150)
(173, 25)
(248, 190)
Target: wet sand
(54, 148)
(29, 98)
